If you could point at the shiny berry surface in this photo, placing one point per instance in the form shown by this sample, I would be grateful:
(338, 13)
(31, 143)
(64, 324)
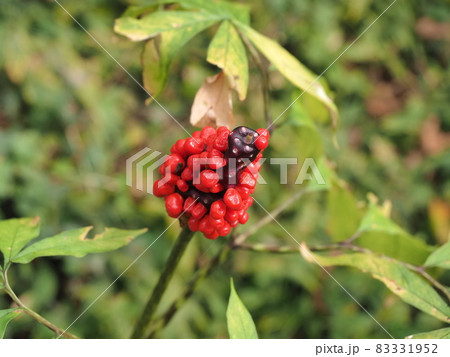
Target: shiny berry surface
(210, 177)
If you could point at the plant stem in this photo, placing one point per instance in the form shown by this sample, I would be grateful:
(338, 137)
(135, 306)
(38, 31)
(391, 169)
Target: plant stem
(172, 262)
(205, 271)
(267, 248)
(33, 314)
(199, 276)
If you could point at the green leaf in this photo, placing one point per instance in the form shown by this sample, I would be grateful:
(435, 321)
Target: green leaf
(440, 257)
(5, 318)
(410, 287)
(443, 333)
(75, 243)
(158, 54)
(155, 23)
(309, 142)
(344, 215)
(381, 235)
(15, 234)
(226, 9)
(227, 52)
(239, 320)
(292, 69)
(327, 175)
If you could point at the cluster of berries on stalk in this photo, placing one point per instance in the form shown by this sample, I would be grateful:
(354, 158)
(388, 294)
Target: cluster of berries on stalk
(210, 177)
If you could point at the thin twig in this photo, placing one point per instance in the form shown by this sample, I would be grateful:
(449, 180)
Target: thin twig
(172, 262)
(268, 218)
(59, 331)
(265, 248)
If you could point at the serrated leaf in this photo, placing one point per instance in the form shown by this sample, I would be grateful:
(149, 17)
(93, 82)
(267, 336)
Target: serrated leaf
(291, 68)
(410, 287)
(159, 52)
(213, 104)
(75, 243)
(161, 21)
(239, 321)
(380, 234)
(6, 316)
(15, 234)
(227, 52)
(440, 257)
(443, 333)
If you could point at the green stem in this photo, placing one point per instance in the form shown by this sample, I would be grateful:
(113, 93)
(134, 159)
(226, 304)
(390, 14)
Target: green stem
(33, 314)
(172, 262)
(199, 276)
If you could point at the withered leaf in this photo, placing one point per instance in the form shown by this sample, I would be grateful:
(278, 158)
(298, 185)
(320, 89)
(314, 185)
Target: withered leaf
(213, 104)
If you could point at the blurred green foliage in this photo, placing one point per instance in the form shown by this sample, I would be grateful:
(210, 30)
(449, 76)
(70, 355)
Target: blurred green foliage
(70, 117)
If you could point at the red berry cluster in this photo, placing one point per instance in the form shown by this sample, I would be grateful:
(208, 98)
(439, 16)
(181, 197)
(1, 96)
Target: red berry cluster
(210, 177)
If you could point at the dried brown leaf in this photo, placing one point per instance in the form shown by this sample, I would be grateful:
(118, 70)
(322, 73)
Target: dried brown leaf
(213, 104)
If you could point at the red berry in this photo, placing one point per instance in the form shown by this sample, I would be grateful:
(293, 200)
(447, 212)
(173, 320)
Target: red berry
(244, 192)
(216, 223)
(182, 186)
(212, 235)
(170, 178)
(261, 142)
(189, 204)
(218, 209)
(174, 163)
(187, 174)
(224, 230)
(247, 180)
(232, 198)
(234, 223)
(208, 178)
(174, 204)
(231, 215)
(205, 225)
(263, 132)
(193, 224)
(199, 168)
(207, 131)
(161, 189)
(216, 188)
(243, 218)
(198, 211)
(193, 145)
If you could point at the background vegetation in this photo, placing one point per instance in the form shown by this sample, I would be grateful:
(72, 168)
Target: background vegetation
(69, 118)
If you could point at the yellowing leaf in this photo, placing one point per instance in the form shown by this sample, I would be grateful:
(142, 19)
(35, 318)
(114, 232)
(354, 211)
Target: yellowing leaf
(213, 104)
(239, 321)
(291, 68)
(409, 286)
(151, 25)
(75, 243)
(227, 51)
